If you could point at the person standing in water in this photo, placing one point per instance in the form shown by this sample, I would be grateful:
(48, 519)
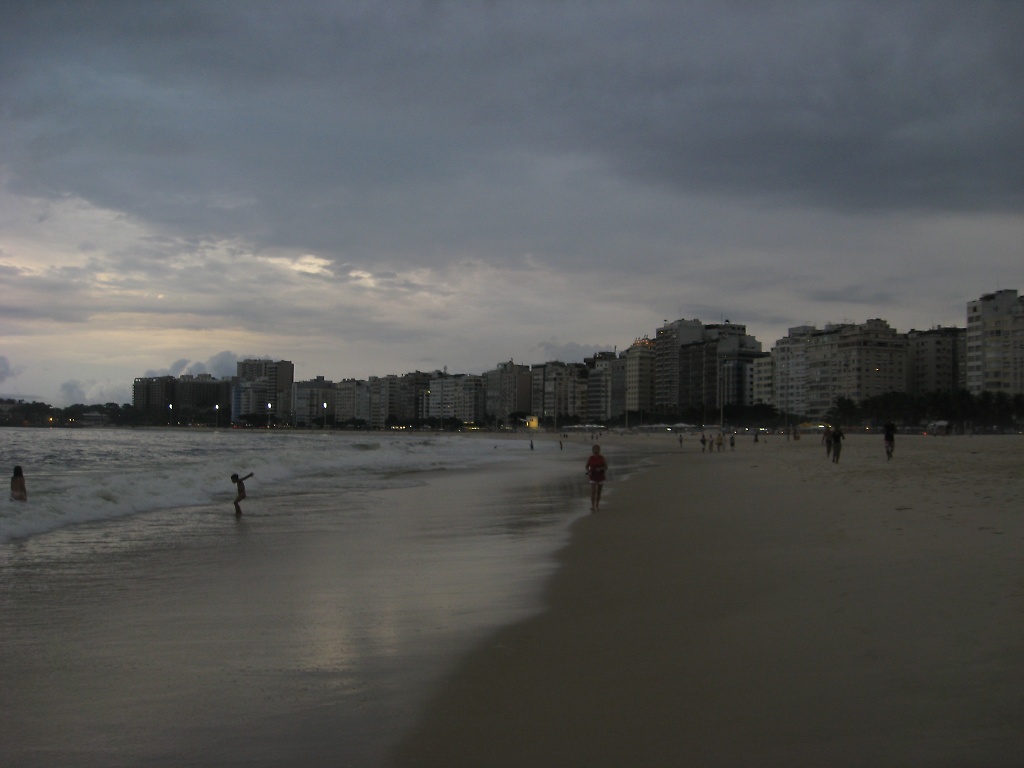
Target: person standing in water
(596, 467)
(18, 490)
(240, 483)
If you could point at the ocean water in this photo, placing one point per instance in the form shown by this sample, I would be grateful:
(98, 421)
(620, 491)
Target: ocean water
(143, 624)
(87, 475)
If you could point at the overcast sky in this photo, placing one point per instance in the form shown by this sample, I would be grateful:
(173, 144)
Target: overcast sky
(378, 187)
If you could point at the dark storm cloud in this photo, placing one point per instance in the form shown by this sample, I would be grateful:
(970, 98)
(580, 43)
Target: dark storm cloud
(400, 132)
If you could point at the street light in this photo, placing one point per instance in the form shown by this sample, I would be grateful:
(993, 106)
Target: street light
(216, 415)
(325, 416)
(170, 415)
(269, 406)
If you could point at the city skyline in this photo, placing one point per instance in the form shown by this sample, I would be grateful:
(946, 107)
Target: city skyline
(391, 187)
(228, 362)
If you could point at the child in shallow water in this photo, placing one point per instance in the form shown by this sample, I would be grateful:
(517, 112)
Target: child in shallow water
(18, 490)
(239, 481)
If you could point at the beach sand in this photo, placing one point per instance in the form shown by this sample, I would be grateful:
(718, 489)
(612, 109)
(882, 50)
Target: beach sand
(766, 607)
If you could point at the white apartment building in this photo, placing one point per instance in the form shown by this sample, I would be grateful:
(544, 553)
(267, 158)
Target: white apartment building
(352, 401)
(263, 387)
(790, 370)
(313, 402)
(440, 398)
(561, 397)
(456, 397)
(384, 400)
(855, 362)
(763, 392)
(995, 343)
(545, 397)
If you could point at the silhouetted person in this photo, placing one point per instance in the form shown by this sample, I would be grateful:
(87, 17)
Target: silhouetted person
(18, 490)
(890, 439)
(837, 443)
(239, 482)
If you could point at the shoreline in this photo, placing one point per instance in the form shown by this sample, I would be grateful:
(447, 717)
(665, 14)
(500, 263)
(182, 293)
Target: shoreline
(765, 607)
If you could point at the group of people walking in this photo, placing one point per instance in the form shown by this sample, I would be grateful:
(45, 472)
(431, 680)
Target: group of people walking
(833, 438)
(715, 443)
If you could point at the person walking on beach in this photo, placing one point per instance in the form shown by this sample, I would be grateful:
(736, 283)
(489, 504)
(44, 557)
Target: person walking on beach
(890, 439)
(703, 442)
(18, 490)
(596, 467)
(837, 443)
(240, 483)
(826, 440)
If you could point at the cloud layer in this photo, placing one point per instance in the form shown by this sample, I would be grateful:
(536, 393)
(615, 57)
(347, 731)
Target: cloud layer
(375, 187)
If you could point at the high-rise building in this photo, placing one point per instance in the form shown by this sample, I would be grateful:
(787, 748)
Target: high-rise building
(384, 401)
(641, 365)
(509, 390)
(764, 380)
(186, 399)
(936, 360)
(790, 370)
(459, 397)
(470, 399)
(668, 340)
(313, 402)
(717, 370)
(544, 407)
(606, 387)
(411, 395)
(155, 396)
(995, 343)
(263, 388)
(854, 362)
(560, 394)
(352, 402)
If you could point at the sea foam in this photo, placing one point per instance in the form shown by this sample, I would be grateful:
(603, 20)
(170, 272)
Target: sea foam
(86, 475)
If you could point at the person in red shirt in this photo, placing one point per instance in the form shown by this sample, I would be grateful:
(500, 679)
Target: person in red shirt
(596, 467)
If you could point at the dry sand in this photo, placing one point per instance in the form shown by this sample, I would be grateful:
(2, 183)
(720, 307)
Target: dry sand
(766, 607)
